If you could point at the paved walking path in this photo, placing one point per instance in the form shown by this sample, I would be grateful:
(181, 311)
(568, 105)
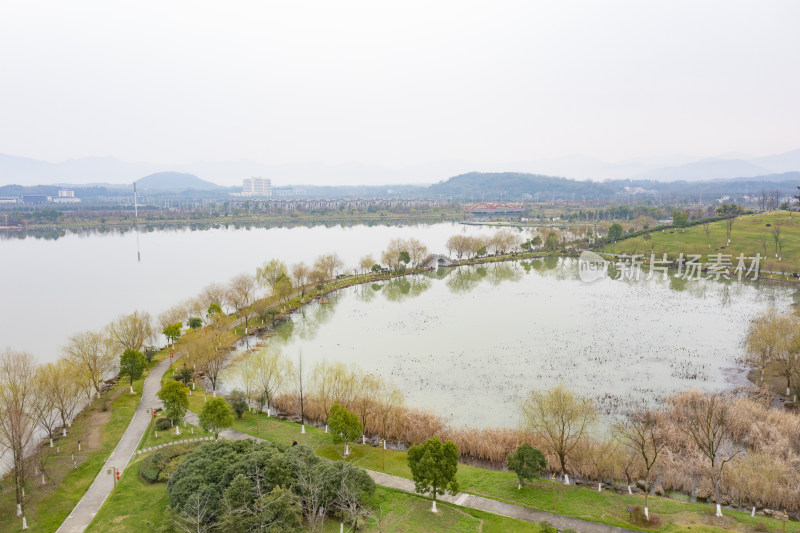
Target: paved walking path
(101, 487)
(462, 499)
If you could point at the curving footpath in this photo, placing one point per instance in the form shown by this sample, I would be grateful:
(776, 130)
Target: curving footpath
(83, 513)
(462, 499)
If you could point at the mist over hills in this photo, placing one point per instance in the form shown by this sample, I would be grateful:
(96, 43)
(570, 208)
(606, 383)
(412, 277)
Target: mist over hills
(111, 172)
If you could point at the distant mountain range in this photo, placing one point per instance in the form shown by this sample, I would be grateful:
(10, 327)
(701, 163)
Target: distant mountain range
(111, 172)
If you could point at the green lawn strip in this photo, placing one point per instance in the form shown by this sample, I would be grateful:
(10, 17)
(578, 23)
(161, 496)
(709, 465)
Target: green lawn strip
(137, 504)
(746, 236)
(165, 437)
(403, 512)
(48, 509)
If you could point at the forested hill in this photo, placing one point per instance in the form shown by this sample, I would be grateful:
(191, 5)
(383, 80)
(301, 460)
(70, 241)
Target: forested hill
(516, 184)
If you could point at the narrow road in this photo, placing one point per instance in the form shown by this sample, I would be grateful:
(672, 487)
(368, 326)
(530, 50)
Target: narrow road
(103, 484)
(462, 499)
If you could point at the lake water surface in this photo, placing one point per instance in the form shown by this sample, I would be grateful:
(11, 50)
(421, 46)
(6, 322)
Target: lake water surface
(471, 342)
(53, 288)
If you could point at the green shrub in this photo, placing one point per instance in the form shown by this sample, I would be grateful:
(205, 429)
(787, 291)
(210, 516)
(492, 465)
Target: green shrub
(149, 352)
(547, 527)
(158, 466)
(163, 424)
(638, 517)
(150, 467)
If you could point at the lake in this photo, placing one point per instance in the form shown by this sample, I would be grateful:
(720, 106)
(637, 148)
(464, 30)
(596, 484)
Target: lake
(471, 342)
(55, 287)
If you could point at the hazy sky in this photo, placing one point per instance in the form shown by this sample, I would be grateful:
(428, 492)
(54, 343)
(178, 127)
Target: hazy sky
(397, 83)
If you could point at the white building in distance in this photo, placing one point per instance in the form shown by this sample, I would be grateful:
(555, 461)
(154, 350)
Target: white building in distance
(66, 196)
(257, 187)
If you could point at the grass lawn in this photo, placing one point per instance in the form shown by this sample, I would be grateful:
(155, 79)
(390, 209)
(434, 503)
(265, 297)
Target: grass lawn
(402, 512)
(165, 437)
(746, 237)
(136, 505)
(99, 427)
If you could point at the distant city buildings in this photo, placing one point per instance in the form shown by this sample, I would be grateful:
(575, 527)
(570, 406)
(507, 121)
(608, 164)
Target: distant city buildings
(257, 187)
(66, 196)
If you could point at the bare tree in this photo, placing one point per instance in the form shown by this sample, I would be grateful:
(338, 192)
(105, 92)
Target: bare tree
(91, 354)
(707, 231)
(390, 401)
(301, 383)
(330, 264)
(66, 390)
(17, 422)
(332, 382)
(366, 387)
(709, 421)
(417, 251)
(197, 513)
(300, 273)
(243, 370)
(642, 434)
(776, 236)
(214, 294)
(131, 332)
(365, 264)
(272, 368)
(209, 352)
(241, 294)
(43, 404)
(560, 418)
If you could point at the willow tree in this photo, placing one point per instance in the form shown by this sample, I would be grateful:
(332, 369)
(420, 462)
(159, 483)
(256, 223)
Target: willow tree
(561, 418)
(91, 354)
(132, 332)
(270, 273)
